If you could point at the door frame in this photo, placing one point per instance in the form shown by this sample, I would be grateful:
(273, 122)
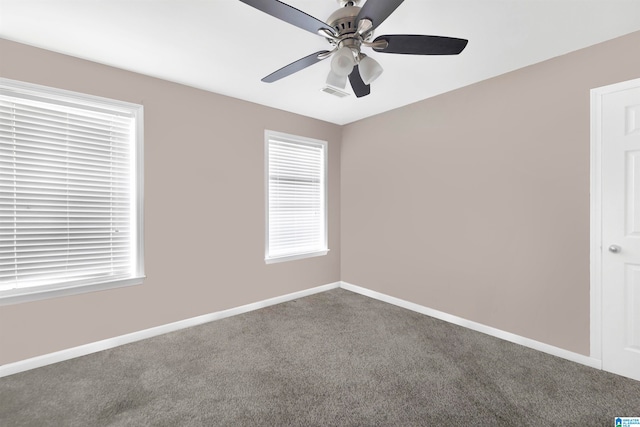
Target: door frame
(596, 212)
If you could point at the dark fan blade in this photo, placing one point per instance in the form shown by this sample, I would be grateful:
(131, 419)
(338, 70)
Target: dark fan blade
(289, 14)
(294, 67)
(359, 88)
(377, 11)
(421, 45)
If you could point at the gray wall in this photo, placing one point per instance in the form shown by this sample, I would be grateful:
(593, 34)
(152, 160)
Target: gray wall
(476, 202)
(204, 209)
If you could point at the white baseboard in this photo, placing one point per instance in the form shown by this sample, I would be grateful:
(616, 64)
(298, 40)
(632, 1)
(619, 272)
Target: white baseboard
(83, 350)
(498, 333)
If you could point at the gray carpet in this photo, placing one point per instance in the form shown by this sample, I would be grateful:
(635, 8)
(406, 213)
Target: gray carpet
(331, 359)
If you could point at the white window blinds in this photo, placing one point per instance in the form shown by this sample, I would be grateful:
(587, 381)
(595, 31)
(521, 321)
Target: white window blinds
(69, 190)
(296, 197)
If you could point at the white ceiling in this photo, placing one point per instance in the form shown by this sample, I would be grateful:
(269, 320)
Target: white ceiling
(226, 47)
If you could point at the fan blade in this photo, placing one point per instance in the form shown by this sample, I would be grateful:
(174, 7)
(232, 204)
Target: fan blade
(359, 88)
(421, 45)
(377, 11)
(294, 67)
(289, 14)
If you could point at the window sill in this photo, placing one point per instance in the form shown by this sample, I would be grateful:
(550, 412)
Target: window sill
(295, 257)
(17, 296)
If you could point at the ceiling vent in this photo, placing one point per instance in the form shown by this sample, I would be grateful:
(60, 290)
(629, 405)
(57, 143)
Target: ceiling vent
(335, 92)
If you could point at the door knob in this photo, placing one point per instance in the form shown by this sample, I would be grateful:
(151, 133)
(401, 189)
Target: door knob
(614, 248)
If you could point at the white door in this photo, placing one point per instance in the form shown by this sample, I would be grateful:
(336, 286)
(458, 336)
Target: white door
(620, 244)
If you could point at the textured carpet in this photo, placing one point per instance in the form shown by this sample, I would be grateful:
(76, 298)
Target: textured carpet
(331, 359)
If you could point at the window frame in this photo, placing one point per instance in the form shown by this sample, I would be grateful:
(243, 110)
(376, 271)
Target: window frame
(268, 135)
(92, 103)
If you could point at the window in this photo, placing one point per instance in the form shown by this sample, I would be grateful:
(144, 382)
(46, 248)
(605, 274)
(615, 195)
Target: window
(70, 192)
(296, 197)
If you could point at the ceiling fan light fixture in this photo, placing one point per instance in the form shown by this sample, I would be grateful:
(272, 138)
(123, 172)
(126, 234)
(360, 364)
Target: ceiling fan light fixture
(370, 69)
(348, 30)
(336, 80)
(343, 62)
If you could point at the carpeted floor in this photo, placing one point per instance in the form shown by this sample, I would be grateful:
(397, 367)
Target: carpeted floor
(331, 359)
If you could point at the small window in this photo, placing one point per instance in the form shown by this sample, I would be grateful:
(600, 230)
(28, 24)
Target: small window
(70, 192)
(296, 169)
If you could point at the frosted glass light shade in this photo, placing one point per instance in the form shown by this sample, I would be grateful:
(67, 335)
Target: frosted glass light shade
(343, 61)
(369, 69)
(337, 80)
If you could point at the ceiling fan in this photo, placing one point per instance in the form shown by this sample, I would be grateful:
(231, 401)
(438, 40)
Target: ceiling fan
(348, 30)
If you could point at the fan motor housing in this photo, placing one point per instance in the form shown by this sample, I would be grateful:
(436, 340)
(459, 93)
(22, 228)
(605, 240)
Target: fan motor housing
(344, 3)
(344, 20)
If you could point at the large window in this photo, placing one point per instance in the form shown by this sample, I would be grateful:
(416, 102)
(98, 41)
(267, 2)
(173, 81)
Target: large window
(70, 192)
(296, 197)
